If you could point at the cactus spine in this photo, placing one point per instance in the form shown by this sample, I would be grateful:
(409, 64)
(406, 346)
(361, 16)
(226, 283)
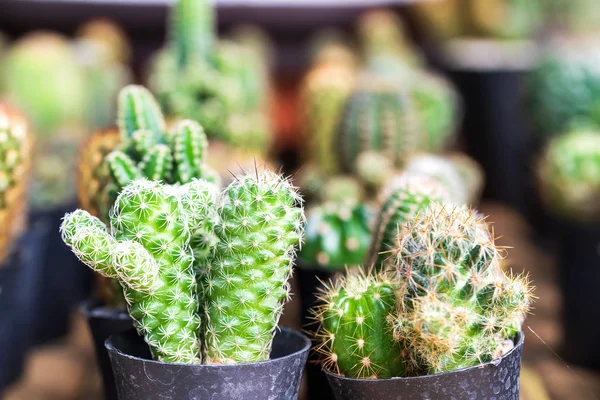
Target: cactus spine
(245, 282)
(149, 253)
(356, 328)
(569, 176)
(15, 159)
(336, 236)
(459, 309)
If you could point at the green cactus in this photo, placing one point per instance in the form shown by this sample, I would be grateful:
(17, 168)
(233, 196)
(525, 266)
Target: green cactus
(374, 170)
(404, 197)
(245, 282)
(569, 176)
(337, 236)
(355, 333)
(564, 89)
(149, 253)
(192, 31)
(459, 308)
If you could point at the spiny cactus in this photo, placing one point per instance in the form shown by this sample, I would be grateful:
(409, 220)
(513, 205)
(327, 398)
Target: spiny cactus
(245, 282)
(374, 170)
(459, 309)
(356, 323)
(15, 159)
(336, 236)
(405, 196)
(569, 176)
(149, 253)
(564, 88)
(325, 91)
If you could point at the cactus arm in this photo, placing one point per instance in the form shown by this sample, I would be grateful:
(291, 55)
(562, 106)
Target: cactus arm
(135, 266)
(190, 146)
(122, 168)
(192, 30)
(143, 141)
(139, 111)
(157, 163)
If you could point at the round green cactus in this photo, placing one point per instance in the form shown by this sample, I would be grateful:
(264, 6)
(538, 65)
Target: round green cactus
(245, 282)
(569, 176)
(404, 197)
(374, 170)
(459, 308)
(149, 253)
(356, 338)
(337, 236)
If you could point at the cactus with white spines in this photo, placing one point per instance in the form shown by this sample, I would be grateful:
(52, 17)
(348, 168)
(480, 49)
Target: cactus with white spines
(356, 328)
(149, 253)
(403, 198)
(459, 308)
(245, 281)
(569, 176)
(337, 235)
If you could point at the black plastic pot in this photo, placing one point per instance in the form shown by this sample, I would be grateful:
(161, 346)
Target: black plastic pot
(139, 378)
(105, 322)
(579, 272)
(495, 380)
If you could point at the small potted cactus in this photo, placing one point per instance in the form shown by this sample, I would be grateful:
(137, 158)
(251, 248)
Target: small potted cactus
(569, 185)
(177, 252)
(442, 318)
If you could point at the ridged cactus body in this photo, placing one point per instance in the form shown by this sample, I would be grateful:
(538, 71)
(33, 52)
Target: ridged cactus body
(149, 253)
(569, 176)
(403, 198)
(356, 328)
(459, 308)
(245, 282)
(337, 235)
(192, 30)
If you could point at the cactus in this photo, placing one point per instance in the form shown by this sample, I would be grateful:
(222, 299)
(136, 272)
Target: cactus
(15, 159)
(569, 176)
(336, 236)
(149, 253)
(459, 309)
(108, 35)
(355, 333)
(404, 197)
(565, 87)
(245, 282)
(325, 91)
(374, 170)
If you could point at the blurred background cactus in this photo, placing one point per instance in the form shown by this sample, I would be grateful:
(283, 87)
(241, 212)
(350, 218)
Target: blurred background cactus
(16, 145)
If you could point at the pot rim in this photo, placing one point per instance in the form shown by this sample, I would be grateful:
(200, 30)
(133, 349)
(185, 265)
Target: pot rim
(93, 307)
(519, 343)
(305, 348)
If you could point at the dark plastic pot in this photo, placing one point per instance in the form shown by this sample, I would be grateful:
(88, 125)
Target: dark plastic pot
(579, 271)
(495, 380)
(105, 322)
(139, 378)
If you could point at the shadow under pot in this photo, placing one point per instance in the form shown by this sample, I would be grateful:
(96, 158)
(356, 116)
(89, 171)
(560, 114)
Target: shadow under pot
(579, 272)
(498, 379)
(138, 377)
(105, 322)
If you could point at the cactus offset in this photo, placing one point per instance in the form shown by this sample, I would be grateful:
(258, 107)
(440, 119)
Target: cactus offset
(355, 334)
(459, 308)
(15, 159)
(245, 282)
(149, 253)
(336, 236)
(569, 176)
(403, 198)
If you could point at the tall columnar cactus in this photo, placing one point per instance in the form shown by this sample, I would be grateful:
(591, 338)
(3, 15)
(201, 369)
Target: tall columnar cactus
(459, 309)
(564, 89)
(403, 198)
(245, 282)
(336, 236)
(15, 159)
(149, 253)
(192, 31)
(569, 176)
(356, 323)
(325, 91)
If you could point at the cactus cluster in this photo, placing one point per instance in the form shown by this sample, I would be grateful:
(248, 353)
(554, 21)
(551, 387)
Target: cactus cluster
(569, 176)
(205, 277)
(448, 303)
(337, 235)
(15, 159)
